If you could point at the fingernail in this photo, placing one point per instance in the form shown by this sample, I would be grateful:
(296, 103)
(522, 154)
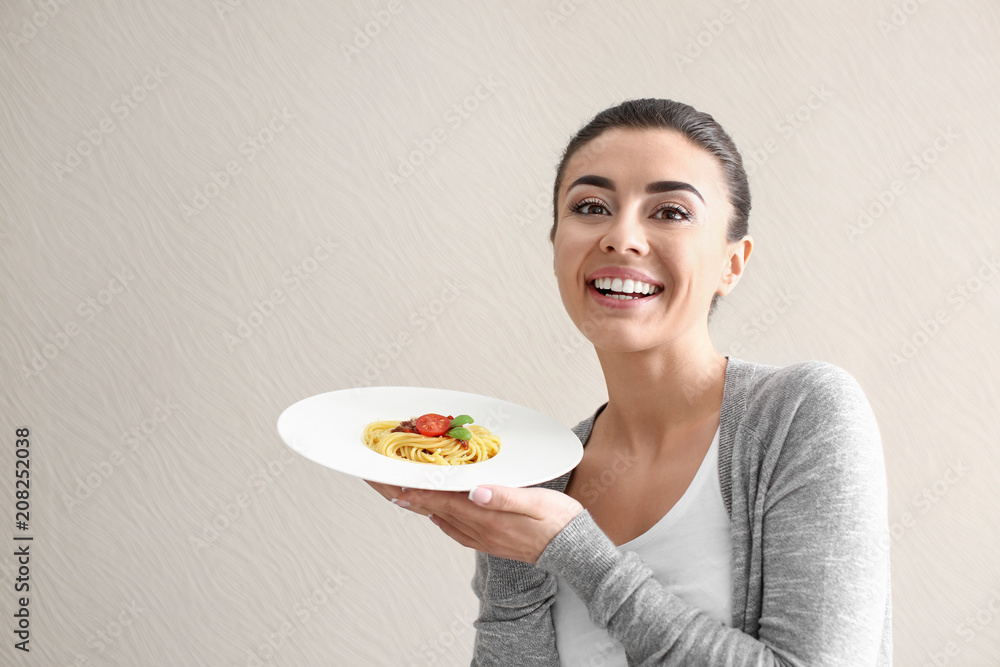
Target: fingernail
(434, 519)
(480, 495)
(403, 489)
(401, 503)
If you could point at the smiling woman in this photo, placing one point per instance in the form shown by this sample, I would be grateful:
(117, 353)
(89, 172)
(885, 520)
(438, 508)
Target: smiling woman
(725, 512)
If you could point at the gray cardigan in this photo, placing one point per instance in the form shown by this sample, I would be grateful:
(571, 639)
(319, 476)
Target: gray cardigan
(803, 478)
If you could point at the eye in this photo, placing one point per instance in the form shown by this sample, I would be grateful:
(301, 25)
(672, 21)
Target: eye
(672, 212)
(590, 207)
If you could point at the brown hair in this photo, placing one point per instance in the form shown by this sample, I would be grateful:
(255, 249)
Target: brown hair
(698, 126)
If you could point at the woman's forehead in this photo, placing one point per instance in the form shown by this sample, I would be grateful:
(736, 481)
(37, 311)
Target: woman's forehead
(645, 155)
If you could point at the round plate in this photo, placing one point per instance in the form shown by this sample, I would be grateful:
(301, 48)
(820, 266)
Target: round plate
(327, 428)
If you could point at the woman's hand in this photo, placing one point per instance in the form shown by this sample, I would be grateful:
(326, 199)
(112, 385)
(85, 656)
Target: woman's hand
(503, 521)
(387, 491)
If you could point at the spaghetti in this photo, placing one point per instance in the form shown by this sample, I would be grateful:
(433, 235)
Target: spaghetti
(402, 440)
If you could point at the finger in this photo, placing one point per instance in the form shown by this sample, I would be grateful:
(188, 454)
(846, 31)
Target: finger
(472, 530)
(478, 519)
(387, 491)
(402, 498)
(416, 510)
(497, 538)
(551, 508)
(432, 502)
(454, 532)
(530, 502)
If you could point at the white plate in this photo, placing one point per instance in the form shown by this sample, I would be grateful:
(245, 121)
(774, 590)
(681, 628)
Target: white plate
(327, 428)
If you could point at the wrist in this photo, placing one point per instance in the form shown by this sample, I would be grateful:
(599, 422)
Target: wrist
(505, 578)
(582, 554)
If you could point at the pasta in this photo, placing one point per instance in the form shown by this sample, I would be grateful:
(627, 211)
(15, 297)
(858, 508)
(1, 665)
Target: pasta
(401, 440)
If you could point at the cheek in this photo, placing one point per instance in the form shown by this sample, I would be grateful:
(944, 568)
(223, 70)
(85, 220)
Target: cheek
(680, 260)
(569, 255)
(690, 262)
(566, 257)
(565, 274)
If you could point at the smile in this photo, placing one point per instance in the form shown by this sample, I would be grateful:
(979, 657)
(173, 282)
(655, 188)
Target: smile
(624, 290)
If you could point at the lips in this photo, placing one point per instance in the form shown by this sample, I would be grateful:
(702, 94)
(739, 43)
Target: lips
(619, 287)
(623, 284)
(627, 287)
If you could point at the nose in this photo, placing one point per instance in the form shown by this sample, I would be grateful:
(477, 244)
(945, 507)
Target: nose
(626, 234)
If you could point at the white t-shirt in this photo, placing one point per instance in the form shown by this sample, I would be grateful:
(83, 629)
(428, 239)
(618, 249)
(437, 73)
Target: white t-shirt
(690, 553)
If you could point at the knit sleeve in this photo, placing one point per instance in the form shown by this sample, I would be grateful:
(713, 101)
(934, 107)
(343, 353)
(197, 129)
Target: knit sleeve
(819, 537)
(515, 624)
(515, 614)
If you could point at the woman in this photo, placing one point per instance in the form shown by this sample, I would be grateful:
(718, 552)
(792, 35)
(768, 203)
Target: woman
(725, 512)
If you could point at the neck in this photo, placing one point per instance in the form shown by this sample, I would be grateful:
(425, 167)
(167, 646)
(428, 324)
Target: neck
(656, 396)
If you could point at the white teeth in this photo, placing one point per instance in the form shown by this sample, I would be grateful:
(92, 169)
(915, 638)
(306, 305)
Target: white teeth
(649, 289)
(622, 297)
(626, 286)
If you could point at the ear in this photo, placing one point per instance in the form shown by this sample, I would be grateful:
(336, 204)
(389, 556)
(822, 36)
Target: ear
(736, 261)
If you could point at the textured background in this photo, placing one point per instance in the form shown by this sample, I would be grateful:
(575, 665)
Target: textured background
(212, 210)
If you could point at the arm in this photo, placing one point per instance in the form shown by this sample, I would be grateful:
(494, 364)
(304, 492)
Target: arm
(515, 609)
(824, 569)
(515, 618)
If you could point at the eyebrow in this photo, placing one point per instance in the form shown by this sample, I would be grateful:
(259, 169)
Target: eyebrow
(653, 188)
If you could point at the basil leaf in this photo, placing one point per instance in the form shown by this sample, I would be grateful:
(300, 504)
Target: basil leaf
(461, 420)
(460, 433)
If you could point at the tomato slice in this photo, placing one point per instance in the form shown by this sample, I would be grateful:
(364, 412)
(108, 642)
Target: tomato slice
(432, 424)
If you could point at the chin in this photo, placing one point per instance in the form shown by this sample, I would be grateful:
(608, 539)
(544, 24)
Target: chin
(622, 342)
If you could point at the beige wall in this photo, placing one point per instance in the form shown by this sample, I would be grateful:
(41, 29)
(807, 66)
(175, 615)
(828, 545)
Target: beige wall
(152, 419)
